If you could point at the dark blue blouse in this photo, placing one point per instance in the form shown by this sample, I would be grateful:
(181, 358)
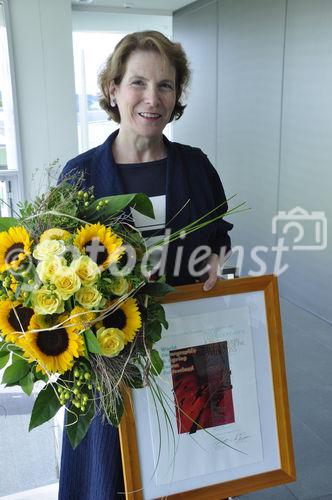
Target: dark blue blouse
(193, 187)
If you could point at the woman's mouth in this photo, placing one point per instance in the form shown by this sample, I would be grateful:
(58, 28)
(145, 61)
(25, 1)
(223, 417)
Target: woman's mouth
(150, 116)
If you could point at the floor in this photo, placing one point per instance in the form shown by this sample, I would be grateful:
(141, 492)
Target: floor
(49, 492)
(308, 350)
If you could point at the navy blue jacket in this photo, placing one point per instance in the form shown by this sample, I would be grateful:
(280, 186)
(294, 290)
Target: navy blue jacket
(190, 176)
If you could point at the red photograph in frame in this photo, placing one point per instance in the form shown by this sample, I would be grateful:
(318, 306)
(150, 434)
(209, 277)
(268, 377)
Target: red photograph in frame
(202, 387)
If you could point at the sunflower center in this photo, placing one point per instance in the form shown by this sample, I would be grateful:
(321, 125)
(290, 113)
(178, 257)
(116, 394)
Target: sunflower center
(53, 343)
(96, 251)
(24, 315)
(115, 320)
(13, 252)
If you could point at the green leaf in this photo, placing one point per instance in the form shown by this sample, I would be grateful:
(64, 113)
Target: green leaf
(27, 383)
(46, 406)
(134, 379)
(39, 375)
(12, 385)
(17, 370)
(156, 313)
(7, 222)
(153, 331)
(92, 342)
(157, 363)
(18, 356)
(4, 358)
(141, 202)
(157, 289)
(77, 425)
(16, 350)
(3, 349)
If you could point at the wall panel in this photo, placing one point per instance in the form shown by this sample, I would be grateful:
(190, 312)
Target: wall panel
(306, 154)
(251, 41)
(195, 27)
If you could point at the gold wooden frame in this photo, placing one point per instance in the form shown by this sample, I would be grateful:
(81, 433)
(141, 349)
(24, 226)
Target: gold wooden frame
(286, 473)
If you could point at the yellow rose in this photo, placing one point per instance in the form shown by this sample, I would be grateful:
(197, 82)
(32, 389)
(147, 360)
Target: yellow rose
(119, 286)
(87, 270)
(45, 301)
(67, 282)
(111, 341)
(46, 269)
(49, 248)
(88, 297)
(55, 234)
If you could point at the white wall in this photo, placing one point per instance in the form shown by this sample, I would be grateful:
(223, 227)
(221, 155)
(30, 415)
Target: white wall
(94, 20)
(44, 71)
(271, 140)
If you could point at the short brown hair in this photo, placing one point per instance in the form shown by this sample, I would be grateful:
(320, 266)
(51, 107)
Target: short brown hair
(115, 67)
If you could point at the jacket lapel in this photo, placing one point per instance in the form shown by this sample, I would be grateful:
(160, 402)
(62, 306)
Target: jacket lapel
(178, 204)
(104, 173)
(107, 181)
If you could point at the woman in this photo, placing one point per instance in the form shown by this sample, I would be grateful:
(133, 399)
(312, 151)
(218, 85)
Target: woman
(142, 85)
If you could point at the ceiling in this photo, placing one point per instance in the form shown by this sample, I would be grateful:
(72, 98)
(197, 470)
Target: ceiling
(153, 5)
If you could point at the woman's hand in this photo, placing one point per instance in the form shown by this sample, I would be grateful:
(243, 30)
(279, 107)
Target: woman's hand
(213, 272)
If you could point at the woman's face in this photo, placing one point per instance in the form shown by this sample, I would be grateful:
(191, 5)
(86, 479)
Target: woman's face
(146, 95)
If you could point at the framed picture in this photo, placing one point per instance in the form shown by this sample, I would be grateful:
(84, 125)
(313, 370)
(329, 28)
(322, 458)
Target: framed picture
(223, 428)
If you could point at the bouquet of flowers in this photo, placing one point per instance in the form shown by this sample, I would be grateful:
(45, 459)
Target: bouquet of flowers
(79, 314)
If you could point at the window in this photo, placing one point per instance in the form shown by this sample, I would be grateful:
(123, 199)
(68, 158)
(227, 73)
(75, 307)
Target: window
(91, 50)
(95, 34)
(10, 176)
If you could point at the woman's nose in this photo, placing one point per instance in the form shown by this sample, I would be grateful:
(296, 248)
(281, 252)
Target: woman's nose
(152, 96)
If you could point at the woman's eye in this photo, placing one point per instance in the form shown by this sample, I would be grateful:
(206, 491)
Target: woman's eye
(138, 82)
(167, 86)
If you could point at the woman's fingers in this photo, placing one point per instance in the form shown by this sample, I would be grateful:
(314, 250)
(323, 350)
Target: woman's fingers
(210, 283)
(212, 273)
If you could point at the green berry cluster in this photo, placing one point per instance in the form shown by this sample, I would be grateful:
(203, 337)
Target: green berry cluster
(11, 285)
(5, 286)
(80, 390)
(81, 387)
(85, 197)
(101, 204)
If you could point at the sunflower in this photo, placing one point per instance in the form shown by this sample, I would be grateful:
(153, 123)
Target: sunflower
(14, 320)
(15, 245)
(55, 233)
(100, 243)
(79, 320)
(126, 318)
(54, 350)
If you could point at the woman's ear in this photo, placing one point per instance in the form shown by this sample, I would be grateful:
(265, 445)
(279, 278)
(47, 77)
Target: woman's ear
(112, 93)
